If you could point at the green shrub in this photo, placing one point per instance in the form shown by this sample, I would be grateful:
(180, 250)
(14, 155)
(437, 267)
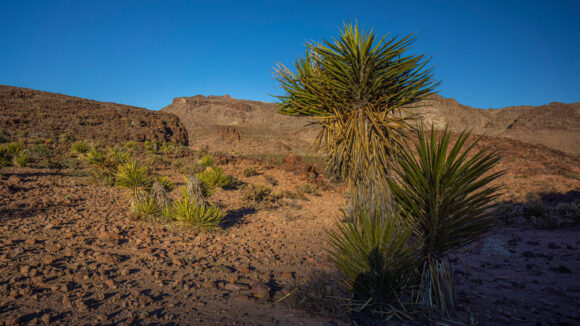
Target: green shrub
(260, 195)
(211, 179)
(22, 158)
(205, 161)
(166, 182)
(80, 147)
(250, 171)
(117, 156)
(201, 216)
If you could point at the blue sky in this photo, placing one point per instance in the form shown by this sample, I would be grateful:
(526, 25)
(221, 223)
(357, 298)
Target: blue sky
(145, 53)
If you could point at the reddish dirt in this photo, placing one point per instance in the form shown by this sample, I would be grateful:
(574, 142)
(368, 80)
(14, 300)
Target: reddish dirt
(71, 255)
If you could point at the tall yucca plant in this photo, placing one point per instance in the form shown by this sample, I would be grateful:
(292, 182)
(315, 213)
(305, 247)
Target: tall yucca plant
(356, 86)
(444, 190)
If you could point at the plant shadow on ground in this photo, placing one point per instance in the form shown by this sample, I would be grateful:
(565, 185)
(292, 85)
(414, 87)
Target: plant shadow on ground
(236, 216)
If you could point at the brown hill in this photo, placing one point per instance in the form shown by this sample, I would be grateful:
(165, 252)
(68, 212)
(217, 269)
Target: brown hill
(42, 114)
(247, 126)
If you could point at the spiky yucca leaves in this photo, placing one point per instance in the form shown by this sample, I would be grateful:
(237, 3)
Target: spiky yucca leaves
(135, 178)
(445, 191)
(117, 156)
(147, 207)
(102, 168)
(375, 257)
(202, 216)
(212, 178)
(22, 158)
(3, 162)
(357, 86)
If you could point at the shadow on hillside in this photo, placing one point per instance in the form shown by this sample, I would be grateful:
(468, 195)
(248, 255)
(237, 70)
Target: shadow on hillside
(7, 214)
(545, 210)
(236, 216)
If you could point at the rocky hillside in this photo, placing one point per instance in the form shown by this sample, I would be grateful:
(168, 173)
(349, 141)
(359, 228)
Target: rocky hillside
(229, 124)
(42, 114)
(555, 125)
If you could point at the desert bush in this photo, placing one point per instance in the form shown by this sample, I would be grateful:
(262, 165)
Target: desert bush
(151, 146)
(375, 258)
(260, 195)
(205, 161)
(306, 188)
(117, 155)
(201, 216)
(22, 158)
(270, 180)
(569, 210)
(211, 179)
(445, 193)
(80, 147)
(102, 169)
(166, 182)
(130, 144)
(250, 171)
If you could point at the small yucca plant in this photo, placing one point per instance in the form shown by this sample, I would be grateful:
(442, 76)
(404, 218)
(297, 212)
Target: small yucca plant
(212, 178)
(375, 257)
(135, 178)
(147, 207)
(80, 147)
(206, 161)
(444, 191)
(203, 216)
(4, 162)
(22, 158)
(14, 148)
(117, 156)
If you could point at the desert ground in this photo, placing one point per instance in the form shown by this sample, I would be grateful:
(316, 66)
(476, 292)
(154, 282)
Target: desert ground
(72, 253)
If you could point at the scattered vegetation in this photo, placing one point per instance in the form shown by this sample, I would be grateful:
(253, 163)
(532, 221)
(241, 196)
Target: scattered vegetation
(80, 147)
(205, 161)
(211, 179)
(270, 180)
(250, 171)
(202, 216)
(306, 188)
(260, 195)
(22, 158)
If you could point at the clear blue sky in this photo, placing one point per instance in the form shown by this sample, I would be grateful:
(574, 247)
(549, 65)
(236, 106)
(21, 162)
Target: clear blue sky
(145, 53)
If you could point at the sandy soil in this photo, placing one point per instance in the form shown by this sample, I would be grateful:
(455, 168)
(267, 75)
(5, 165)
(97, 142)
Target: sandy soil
(70, 254)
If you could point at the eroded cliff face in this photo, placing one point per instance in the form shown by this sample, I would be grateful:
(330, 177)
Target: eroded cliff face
(45, 114)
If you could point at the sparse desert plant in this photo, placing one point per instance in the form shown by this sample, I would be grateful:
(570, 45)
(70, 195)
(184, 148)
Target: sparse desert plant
(375, 258)
(211, 179)
(135, 178)
(166, 182)
(14, 148)
(307, 188)
(260, 195)
(445, 192)
(4, 162)
(204, 150)
(568, 210)
(80, 147)
(357, 85)
(201, 216)
(130, 144)
(22, 158)
(147, 207)
(205, 161)
(250, 171)
(117, 155)
(102, 169)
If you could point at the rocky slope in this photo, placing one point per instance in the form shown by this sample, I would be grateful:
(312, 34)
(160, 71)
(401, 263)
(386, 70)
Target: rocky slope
(246, 126)
(32, 113)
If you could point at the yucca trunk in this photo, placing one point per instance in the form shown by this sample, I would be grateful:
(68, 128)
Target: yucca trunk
(436, 288)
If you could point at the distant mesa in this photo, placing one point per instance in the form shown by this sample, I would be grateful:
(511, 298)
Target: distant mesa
(50, 115)
(255, 127)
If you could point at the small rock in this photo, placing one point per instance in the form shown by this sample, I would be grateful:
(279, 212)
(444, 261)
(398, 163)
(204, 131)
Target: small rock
(66, 302)
(108, 236)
